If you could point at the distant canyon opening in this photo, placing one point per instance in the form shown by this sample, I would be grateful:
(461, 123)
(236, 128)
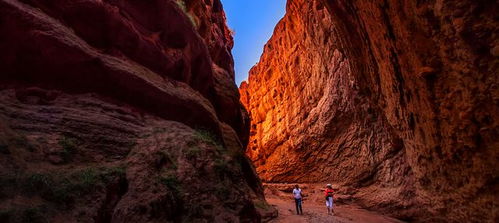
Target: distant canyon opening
(396, 102)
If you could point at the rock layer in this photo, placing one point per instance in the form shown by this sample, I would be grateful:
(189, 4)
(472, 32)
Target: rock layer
(396, 100)
(121, 111)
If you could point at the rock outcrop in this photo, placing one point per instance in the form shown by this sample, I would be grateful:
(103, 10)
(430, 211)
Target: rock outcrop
(121, 111)
(396, 100)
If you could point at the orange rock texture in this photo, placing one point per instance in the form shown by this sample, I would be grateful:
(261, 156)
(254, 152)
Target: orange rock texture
(397, 100)
(122, 111)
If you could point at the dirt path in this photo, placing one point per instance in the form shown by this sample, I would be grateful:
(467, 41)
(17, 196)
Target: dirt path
(315, 211)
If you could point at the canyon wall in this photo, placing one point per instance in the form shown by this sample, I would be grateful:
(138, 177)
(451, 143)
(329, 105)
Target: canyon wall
(122, 111)
(397, 102)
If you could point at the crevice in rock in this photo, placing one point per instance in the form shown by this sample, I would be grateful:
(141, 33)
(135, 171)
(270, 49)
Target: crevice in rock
(114, 192)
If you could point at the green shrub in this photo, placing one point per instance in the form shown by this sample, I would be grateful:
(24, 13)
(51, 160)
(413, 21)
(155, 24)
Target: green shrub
(171, 182)
(38, 181)
(85, 180)
(116, 170)
(193, 152)
(63, 188)
(68, 144)
(88, 178)
(209, 137)
(48, 185)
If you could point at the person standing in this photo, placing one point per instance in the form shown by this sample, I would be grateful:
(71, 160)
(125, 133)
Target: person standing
(329, 198)
(298, 199)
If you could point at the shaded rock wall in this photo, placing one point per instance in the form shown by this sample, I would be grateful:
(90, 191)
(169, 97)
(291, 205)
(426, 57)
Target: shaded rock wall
(396, 99)
(121, 111)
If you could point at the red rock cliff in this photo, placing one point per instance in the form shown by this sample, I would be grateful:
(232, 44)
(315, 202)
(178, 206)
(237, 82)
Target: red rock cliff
(121, 111)
(396, 99)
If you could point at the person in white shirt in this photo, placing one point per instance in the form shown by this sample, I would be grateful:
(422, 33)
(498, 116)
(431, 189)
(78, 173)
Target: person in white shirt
(298, 199)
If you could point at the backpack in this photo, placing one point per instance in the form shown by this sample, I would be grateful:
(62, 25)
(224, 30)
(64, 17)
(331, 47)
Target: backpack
(329, 193)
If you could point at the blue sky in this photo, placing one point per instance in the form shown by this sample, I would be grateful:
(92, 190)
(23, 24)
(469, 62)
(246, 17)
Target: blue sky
(253, 22)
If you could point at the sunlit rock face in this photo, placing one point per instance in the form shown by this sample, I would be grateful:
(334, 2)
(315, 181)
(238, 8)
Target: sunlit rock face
(121, 111)
(396, 99)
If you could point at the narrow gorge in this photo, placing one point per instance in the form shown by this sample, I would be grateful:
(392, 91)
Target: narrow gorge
(395, 101)
(128, 110)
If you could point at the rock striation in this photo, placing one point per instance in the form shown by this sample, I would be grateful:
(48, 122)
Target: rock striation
(122, 111)
(396, 100)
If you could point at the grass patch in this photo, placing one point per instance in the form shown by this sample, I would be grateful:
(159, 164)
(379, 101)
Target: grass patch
(170, 181)
(88, 177)
(38, 180)
(116, 170)
(193, 152)
(48, 185)
(68, 144)
(69, 147)
(209, 137)
(63, 188)
(172, 184)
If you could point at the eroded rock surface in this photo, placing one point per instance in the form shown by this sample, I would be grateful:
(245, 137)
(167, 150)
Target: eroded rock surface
(121, 111)
(395, 99)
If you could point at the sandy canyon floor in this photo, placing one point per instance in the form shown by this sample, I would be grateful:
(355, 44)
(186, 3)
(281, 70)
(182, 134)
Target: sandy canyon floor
(314, 209)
